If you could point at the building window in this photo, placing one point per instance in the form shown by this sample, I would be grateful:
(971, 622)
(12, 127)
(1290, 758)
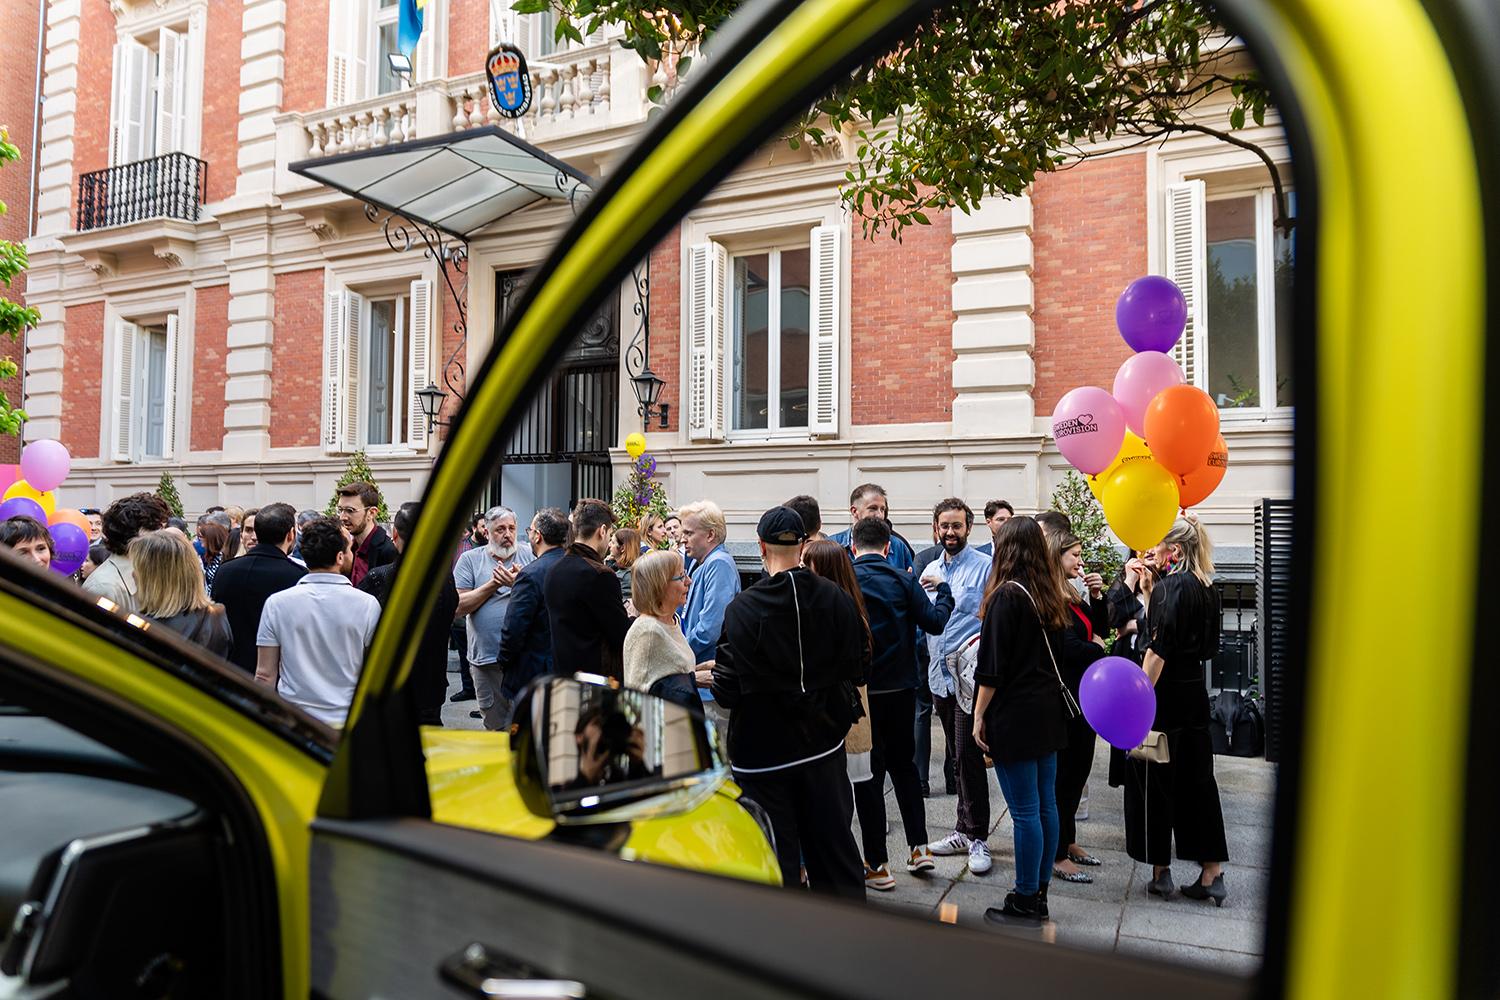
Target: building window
(764, 335)
(383, 45)
(1235, 268)
(770, 325)
(378, 352)
(143, 421)
(148, 97)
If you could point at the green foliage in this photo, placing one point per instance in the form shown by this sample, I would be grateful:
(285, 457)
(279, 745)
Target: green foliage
(984, 95)
(640, 495)
(357, 470)
(166, 488)
(1073, 498)
(15, 319)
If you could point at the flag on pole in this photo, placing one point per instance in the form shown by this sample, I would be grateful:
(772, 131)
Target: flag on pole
(409, 29)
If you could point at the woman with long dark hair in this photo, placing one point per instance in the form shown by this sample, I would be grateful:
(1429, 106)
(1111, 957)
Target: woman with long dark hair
(1179, 799)
(1021, 705)
(215, 539)
(1074, 762)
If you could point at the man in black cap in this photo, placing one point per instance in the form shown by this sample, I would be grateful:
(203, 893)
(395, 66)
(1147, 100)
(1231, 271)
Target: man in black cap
(792, 649)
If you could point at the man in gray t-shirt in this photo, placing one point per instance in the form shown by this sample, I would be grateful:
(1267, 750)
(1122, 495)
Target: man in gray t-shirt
(483, 578)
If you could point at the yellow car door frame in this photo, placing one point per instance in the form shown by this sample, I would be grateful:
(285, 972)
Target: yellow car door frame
(1391, 297)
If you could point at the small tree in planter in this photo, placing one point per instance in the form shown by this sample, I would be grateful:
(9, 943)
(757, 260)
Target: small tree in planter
(640, 495)
(167, 490)
(357, 471)
(1072, 497)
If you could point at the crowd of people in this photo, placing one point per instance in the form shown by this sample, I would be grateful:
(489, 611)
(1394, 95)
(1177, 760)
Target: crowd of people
(825, 670)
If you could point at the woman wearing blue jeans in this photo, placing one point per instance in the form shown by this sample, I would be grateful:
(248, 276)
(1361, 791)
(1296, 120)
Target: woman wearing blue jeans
(1021, 708)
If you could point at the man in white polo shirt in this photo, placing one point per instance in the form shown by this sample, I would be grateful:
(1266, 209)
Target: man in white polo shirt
(313, 635)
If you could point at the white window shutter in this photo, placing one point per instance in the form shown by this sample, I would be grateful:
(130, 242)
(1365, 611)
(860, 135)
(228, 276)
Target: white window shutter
(708, 269)
(169, 391)
(131, 102)
(423, 366)
(826, 319)
(350, 347)
(333, 388)
(1187, 264)
(171, 75)
(116, 105)
(348, 31)
(122, 416)
(505, 25)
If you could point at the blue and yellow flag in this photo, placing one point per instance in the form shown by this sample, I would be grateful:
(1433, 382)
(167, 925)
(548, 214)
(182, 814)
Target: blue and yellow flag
(410, 28)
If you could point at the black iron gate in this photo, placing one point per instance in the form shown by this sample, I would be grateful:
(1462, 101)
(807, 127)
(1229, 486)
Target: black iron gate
(574, 417)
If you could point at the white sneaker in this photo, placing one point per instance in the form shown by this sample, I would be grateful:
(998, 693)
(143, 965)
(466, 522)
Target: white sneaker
(979, 857)
(954, 843)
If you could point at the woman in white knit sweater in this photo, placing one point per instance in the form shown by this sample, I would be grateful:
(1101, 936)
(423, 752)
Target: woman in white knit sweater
(657, 657)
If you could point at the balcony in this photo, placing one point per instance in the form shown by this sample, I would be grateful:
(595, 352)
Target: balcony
(163, 187)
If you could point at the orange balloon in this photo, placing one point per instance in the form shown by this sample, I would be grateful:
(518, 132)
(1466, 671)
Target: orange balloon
(1199, 484)
(67, 515)
(1182, 424)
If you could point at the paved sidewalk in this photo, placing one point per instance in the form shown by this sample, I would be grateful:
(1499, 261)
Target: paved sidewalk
(1114, 913)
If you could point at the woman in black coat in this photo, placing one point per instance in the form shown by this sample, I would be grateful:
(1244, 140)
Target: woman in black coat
(1021, 706)
(1180, 798)
(1079, 649)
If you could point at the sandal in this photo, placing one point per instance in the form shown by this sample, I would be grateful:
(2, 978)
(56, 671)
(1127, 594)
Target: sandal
(1085, 859)
(1079, 878)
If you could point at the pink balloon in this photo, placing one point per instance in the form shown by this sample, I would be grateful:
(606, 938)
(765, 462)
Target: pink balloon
(9, 476)
(1138, 381)
(45, 464)
(1088, 428)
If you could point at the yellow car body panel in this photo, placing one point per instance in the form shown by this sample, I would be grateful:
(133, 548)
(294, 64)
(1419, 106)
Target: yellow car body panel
(470, 784)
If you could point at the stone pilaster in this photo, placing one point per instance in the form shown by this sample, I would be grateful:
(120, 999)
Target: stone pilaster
(992, 329)
(263, 51)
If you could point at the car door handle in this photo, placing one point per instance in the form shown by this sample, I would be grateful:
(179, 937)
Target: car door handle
(486, 973)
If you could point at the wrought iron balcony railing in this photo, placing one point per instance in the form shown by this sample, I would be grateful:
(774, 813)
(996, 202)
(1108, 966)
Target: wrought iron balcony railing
(170, 186)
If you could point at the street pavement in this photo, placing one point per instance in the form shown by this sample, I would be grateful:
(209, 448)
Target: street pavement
(1112, 914)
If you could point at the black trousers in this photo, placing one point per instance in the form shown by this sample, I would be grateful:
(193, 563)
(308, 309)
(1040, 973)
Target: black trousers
(811, 808)
(1074, 762)
(458, 638)
(1178, 799)
(923, 730)
(973, 780)
(891, 753)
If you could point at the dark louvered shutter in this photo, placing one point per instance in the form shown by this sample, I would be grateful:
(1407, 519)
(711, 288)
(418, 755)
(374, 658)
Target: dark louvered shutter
(1273, 603)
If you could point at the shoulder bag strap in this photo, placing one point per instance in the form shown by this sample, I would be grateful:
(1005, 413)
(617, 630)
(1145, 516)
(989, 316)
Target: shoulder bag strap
(1073, 709)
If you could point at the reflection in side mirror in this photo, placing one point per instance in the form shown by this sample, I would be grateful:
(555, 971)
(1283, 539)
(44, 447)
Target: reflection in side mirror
(584, 751)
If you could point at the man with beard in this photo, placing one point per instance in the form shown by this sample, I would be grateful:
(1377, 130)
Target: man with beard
(476, 537)
(358, 508)
(966, 572)
(484, 577)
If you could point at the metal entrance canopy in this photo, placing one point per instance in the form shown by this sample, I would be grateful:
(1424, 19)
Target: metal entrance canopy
(461, 184)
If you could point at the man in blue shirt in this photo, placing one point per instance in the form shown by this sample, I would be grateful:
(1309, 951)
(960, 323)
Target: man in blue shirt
(966, 572)
(715, 580)
(868, 500)
(996, 513)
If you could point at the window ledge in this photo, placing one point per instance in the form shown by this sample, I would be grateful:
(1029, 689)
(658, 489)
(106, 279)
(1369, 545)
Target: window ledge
(152, 243)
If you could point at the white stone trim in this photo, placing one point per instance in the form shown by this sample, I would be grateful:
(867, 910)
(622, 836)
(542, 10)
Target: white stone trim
(993, 335)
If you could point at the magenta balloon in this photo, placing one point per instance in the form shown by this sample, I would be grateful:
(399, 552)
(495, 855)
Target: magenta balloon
(1088, 428)
(22, 507)
(70, 547)
(45, 464)
(1151, 314)
(1138, 381)
(1118, 701)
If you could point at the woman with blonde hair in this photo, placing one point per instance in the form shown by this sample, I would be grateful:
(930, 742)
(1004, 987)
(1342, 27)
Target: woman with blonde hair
(171, 592)
(653, 530)
(657, 657)
(1179, 799)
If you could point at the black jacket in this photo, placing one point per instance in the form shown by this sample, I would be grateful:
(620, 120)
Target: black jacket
(379, 551)
(897, 606)
(789, 643)
(430, 672)
(1078, 651)
(242, 586)
(526, 637)
(1027, 718)
(585, 614)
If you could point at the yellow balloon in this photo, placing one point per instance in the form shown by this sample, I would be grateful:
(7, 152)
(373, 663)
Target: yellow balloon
(1133, 449)
(21, 488)
(1141, 502)
(635, 445)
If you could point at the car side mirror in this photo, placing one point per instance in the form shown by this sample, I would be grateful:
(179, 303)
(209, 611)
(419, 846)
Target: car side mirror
(586, 751)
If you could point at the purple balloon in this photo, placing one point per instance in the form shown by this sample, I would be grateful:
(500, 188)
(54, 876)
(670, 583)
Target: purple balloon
(70, 547)
(45, 464)
(22, 507)
(1088, 428)
(1151, 314)
(1138, 381)
(1118, 701)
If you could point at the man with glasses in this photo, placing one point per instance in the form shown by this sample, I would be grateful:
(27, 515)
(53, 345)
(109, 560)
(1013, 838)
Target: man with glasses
(484, 578)
(359, 505)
